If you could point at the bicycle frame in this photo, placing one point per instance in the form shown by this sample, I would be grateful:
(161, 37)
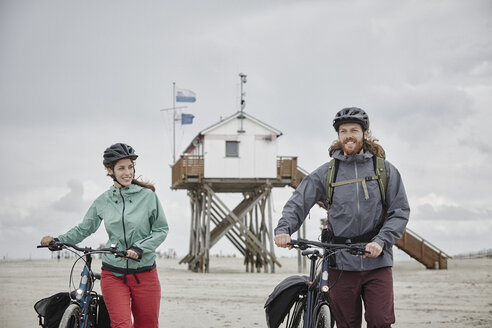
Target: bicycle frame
(313, 297)
(82, 296)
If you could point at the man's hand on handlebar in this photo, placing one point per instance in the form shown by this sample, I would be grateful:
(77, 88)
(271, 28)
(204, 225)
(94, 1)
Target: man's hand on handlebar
(374, 249)
(282, 240)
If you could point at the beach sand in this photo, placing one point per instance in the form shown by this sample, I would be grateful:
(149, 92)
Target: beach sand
(229, 297)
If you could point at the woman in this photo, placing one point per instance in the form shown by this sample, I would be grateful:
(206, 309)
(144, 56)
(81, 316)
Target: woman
(135, 222)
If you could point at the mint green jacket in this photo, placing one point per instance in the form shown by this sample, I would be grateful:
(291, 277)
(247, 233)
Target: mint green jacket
(133, 216)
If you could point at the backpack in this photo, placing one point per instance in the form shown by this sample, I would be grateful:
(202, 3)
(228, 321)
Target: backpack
(50, 309)
(380, 176)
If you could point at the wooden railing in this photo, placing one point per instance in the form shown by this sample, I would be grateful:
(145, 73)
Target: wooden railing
(286, 166)
(191, 167)
(422, 250)
(188, 166)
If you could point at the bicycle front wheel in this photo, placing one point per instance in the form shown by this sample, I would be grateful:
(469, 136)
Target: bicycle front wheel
(296, 315)
(323, 319)
(71, 317)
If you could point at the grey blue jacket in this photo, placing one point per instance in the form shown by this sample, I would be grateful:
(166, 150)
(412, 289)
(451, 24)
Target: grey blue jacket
(133, 217)
(351, 214)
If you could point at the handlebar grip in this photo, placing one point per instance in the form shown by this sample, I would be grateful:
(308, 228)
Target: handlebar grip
(53, 246)
(310, 251)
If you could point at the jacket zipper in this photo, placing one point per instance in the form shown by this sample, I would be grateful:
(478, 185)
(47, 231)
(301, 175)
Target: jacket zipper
(358, 206)
(124, 229)
(144, 240)
(123, 219)
(357, 192)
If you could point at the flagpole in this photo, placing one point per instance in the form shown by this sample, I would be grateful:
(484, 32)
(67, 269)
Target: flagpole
(174, 122)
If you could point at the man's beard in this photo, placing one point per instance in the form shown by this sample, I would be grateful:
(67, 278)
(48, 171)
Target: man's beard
(353, 149)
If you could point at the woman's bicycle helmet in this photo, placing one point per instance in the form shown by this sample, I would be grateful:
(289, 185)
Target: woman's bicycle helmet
(118, 151)
(351, 115)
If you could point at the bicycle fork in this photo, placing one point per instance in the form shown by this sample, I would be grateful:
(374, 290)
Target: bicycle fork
(82, 296)
(313, 256)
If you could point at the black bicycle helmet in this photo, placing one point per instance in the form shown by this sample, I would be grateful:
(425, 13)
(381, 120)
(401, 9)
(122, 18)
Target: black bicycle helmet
(351, 115)
(118, 151)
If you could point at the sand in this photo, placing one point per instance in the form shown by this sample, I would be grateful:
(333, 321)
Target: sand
(228, 297)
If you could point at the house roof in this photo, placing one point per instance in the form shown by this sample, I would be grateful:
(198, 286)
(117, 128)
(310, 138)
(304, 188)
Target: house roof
(238, 114)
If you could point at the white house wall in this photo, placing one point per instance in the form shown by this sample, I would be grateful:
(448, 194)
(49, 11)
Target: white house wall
(257, 151)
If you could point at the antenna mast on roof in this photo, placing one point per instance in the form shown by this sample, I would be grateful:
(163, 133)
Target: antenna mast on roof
(243, 102)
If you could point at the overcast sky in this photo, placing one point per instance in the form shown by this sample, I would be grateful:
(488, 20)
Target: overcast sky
(78, 76)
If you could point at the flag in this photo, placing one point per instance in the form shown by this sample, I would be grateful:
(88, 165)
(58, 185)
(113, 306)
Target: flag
(187, 119)
(184, 95)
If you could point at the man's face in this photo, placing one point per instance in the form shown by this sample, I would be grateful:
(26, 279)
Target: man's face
(351, 137)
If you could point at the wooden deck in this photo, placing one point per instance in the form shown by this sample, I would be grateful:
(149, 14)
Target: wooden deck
(188, 173)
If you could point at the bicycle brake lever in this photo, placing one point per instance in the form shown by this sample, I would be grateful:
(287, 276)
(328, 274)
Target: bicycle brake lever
(303, 247)
(357, 251)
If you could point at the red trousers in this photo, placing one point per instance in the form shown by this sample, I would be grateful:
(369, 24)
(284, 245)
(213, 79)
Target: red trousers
(141, 300)
(349, 289)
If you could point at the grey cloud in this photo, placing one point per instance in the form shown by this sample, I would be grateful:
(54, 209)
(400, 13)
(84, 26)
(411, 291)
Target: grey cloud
(423, 114)
(72, 201)
(429, 212)
(477, 142)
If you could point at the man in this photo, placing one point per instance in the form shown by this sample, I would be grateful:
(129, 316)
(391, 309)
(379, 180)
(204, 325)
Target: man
(356, 213)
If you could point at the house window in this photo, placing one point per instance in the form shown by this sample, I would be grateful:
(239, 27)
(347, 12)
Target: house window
(232, 148)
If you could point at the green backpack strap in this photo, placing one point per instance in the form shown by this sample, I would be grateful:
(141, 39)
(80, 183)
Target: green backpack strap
(382, 179)
(329, 181)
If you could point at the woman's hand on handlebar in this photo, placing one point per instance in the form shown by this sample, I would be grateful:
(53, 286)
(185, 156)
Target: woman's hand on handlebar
(131, 254)
(46, 240)
(51, 243)
(282, 240)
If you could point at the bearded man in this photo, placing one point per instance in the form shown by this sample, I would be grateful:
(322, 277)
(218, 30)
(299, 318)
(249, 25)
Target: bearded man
(359, 211)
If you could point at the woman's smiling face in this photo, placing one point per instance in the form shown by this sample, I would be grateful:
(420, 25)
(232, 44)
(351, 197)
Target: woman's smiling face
(123, 171)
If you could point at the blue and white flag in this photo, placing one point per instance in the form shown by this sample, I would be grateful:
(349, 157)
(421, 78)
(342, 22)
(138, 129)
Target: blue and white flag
(187, 119)
(184, 95)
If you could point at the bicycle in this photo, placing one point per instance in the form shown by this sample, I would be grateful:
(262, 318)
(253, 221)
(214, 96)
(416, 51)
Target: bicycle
(84, 310)
(310, 304)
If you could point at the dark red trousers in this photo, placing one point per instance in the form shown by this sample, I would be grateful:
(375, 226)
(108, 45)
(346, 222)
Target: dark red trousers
(374, 288)
(141, 300)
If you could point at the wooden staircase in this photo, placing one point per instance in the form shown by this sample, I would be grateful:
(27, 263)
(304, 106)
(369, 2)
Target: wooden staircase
(422, 251)
(411, 243)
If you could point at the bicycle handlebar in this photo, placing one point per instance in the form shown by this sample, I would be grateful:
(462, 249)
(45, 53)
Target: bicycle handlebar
(58, 245)
(304, 244)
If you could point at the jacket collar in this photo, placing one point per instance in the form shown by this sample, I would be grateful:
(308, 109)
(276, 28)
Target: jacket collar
(338, 154)
(131, 189)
